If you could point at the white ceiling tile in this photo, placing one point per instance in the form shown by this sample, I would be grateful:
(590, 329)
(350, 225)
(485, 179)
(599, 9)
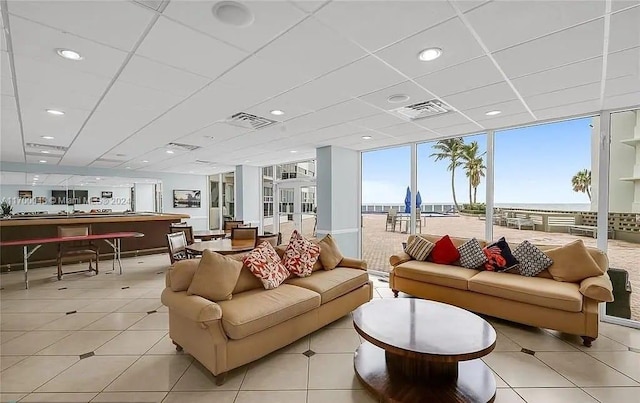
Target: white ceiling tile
(622, 101)
(176, 45)
(6, 84)
(40, 43)
(313, 95)
(622, 85)
(452, 37)
(291, 110)
(584, 41)
(617, 5)
(459, 130)
(309, 6)
(403, 129)
(625, 30)
(271, 18)
(623, 63)
(212, 136)
(444, 120)
(462, 77)
(572, 75)
(114, 23)
(507, 121)
(312, 48)
(491, 94)
(564, 111)
(467, 5)
(501, 24)
(372, 23)
(11, 150)
(564, 97)
(513, 107)
(3, 38)
(333, 132)
(37, 123)
(35, 159)
(148, 73)
(378, 121)
(380, 98)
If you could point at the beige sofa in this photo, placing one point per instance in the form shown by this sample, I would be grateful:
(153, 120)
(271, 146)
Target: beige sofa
(255, 322)
(538, 301)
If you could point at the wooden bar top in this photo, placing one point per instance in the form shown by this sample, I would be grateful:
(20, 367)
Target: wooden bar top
(59, 219)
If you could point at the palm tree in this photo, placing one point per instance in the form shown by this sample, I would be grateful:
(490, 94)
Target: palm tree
(450, 149)
(581, 182)
(474, 167)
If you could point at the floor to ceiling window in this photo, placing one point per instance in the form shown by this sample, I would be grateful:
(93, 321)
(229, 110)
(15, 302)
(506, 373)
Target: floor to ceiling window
(386, 177)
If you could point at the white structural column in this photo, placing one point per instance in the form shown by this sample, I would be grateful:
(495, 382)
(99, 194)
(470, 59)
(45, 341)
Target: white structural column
(248, 181)
(337, 193)
(414, 188)
(488, 232)
(604, 147)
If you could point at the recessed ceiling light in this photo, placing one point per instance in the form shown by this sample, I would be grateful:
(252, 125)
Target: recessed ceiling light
(430, 54)
(397, 98)
(145, 161)
(44, 152)
(98, 179)
(43, 161)
(277, 112)
(293, 151)
(127, 167)
(366, 137)
(493, 113)
(170, 151)
(233, 13)
(36, 179)
(47, 137)
(55, 112)
(69, 54)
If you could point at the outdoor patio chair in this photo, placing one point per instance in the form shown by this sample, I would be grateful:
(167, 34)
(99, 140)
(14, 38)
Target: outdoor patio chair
(392, 220)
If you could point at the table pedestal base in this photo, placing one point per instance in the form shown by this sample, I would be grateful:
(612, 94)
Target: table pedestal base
(396, 379)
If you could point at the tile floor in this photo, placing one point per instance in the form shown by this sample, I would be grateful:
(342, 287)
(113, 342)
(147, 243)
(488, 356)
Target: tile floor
(105, 338)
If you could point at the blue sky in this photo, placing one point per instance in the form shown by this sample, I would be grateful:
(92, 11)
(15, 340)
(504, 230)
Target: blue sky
(533, 165)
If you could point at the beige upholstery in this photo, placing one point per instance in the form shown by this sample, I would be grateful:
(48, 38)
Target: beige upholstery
(256, 310)
(180, 274)
(598, 288)
(449, 276)
(353, 263)
(535, 291)
(399, 258)
(435, 238)
(333, 283)
(192, 307)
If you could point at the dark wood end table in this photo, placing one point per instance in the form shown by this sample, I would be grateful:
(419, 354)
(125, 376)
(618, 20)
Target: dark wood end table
(423, 351)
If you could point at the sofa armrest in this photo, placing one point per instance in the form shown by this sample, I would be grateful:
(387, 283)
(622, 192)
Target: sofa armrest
(598, 288)
(353, 263)
(192, 307)
(181, 273)
(399, 258)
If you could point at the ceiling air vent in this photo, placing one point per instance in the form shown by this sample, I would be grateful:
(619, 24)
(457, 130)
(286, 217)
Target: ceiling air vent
(46, 147)
(249, 121)
(182, 147)
(422, 110)
(203, 162)
(108, 160)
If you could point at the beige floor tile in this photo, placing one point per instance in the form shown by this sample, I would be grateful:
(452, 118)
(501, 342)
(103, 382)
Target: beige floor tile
(524, 370)
(154, 321)
(58, 397)
(500, 383)
(10, 397)
(32, 372)
(555, 395)
(297, 347)
(74, 321)
(340, 396)
(198, 378)
(9, 361)
(346, 322)
(164, 347)
(628, 336)
(335, 341)
(583, 370)
(503, 343)
(32, 342)
(289, 396)
(277, 372)
(79, 342)
(41, 305)
(131, 293)
(332, 371)
(104, 305)
(201, 397)
(627, 362)
(131, 342)
(92, 374)
(151, 373)
(141, 305)
(163, 309)
(6, 336)
(116, 321)
(128, 397)
(508, 396)
(29, 321)
(535, 339)
(602, 343)
(614, 395)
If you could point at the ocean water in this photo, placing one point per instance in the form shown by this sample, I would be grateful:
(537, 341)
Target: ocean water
(524, 206)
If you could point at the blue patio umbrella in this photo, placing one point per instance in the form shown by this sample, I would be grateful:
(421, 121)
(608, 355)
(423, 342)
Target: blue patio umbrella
(407, 201)
(418, 201)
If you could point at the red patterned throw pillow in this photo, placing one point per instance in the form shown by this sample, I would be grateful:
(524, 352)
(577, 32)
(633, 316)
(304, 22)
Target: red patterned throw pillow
(300, 255)
(265, 264)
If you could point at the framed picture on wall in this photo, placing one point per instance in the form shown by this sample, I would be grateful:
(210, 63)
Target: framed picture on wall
(186, 198)
(107, 195)
(25, 194)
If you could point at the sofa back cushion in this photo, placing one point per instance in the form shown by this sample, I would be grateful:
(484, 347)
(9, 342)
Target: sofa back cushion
(573, 263)
(457, 242)
(246, 280)
(215, 277)
(181, 273)
(598, 256)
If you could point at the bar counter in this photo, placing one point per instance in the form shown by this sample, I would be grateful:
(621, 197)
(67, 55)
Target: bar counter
(154, 226)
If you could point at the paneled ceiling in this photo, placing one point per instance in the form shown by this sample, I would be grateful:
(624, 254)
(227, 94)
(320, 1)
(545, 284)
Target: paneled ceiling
(61, 180)
(157, 72)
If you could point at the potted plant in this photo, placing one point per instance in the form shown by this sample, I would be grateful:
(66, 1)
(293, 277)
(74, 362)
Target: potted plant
(6, 208)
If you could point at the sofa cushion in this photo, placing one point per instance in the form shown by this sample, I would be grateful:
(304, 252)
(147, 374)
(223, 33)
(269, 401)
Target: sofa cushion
(333, 283)
(531, 290)
(216, 277)
(572, 263)
(456, 241)
(471, 254)
(330, 255)
(433, 273)
(246, 281)
(181, 273)
(253, 311)
(445, 252)
(531, 260)
(419, 248)
(265, 264)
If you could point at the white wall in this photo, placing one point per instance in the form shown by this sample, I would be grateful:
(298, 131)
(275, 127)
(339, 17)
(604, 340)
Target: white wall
(121, 200)
(144, 197)
(248, 200)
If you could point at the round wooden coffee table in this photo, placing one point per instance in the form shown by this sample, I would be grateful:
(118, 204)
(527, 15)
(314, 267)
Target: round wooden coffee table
(423, 351)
